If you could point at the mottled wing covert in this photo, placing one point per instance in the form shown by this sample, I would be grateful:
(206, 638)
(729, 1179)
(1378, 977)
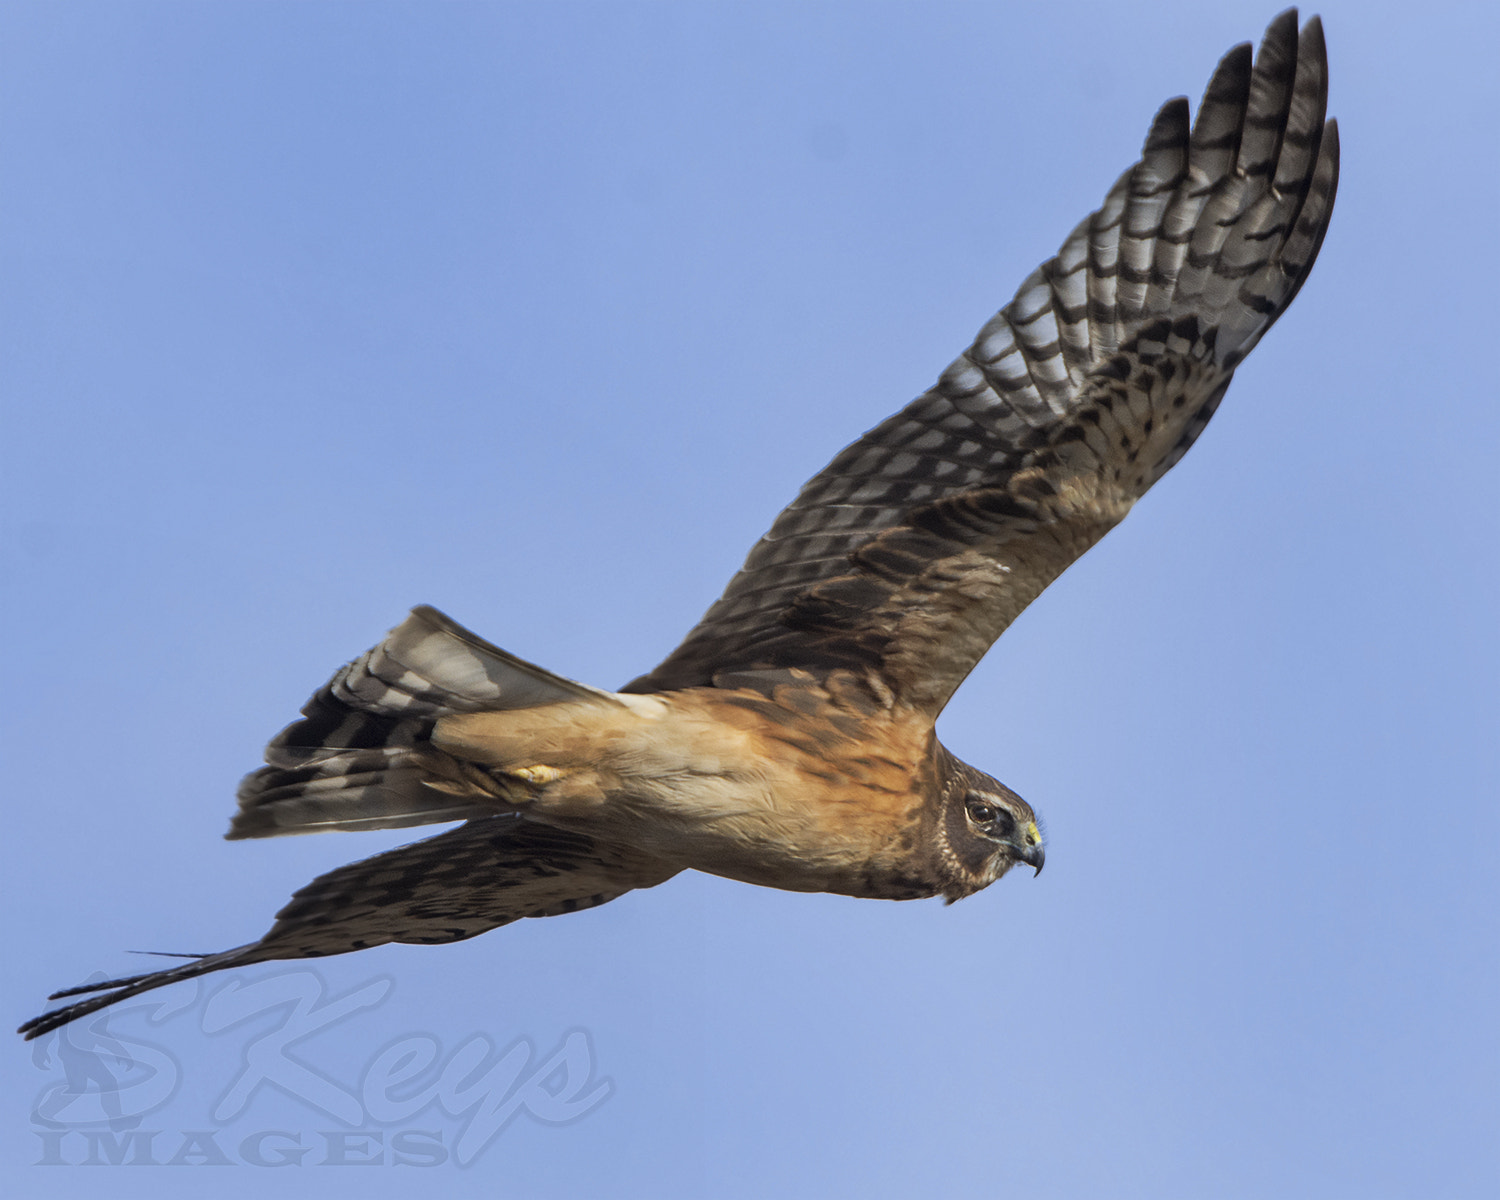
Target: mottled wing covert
(915, 548)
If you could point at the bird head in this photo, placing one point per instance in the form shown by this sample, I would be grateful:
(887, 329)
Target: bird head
(984, 829)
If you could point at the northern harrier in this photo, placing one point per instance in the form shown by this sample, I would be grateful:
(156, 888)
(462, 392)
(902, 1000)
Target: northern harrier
(789, 740)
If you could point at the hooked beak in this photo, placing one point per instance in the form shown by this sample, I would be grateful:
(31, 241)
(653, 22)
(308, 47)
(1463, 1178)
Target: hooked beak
(1031, 851)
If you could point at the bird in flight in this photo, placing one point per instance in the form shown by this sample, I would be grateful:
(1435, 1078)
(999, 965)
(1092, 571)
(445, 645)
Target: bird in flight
(789, 740)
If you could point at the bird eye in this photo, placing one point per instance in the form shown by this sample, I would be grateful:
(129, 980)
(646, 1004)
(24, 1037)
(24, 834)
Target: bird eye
(980, 812)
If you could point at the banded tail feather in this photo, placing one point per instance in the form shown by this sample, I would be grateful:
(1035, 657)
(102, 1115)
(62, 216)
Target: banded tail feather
(361, 756)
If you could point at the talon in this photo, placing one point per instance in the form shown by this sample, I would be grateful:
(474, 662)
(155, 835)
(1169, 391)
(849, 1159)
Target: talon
(537, 774)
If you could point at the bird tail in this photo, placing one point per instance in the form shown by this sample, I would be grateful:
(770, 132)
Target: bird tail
(361, 756)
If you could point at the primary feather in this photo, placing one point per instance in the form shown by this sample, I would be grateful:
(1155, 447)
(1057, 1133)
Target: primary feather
(919, 544)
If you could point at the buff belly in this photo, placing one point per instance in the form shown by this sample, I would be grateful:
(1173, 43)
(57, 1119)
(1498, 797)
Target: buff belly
(711, 780)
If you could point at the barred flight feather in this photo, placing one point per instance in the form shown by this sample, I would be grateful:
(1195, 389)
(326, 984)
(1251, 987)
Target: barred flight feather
(1136, 325)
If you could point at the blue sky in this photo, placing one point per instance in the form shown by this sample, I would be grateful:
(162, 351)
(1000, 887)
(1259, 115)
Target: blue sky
(539, 313)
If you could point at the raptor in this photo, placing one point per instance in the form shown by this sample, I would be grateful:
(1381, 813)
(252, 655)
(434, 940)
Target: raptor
(789, 740)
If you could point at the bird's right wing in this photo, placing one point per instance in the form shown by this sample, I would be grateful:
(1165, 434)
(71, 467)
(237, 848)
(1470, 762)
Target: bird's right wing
(905, 558)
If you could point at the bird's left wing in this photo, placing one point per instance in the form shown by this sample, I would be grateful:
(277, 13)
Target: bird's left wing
(459, 884)
(908, 555)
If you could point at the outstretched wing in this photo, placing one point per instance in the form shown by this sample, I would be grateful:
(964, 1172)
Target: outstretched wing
(456, 885)
(914, 549)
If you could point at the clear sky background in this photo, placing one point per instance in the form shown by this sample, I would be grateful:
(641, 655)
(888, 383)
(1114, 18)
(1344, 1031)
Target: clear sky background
(539, 313)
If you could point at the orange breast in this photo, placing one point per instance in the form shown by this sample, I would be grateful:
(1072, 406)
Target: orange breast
(796, 787)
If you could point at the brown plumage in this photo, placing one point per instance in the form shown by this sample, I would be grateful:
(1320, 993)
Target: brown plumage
(789, 741)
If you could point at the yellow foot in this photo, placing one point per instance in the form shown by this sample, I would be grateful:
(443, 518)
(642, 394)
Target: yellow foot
(537, 774)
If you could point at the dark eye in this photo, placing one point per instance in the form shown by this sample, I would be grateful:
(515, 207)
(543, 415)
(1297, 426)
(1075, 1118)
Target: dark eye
(980, 812)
